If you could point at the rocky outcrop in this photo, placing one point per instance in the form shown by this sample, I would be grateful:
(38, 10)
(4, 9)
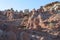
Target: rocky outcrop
(40, 24)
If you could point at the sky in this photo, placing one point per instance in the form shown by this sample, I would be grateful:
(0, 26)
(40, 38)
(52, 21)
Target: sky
(23, 4)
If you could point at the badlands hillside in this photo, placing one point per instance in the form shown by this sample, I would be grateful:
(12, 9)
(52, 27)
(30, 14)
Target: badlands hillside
(38, 24)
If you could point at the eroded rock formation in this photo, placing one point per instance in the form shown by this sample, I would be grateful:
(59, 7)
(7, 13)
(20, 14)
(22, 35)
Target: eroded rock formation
(40, 24)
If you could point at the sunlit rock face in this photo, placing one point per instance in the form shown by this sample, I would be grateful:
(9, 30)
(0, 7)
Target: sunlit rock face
(52, 5)
(46, 21)
(40, 24)
(42, 16)
(9, 14)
